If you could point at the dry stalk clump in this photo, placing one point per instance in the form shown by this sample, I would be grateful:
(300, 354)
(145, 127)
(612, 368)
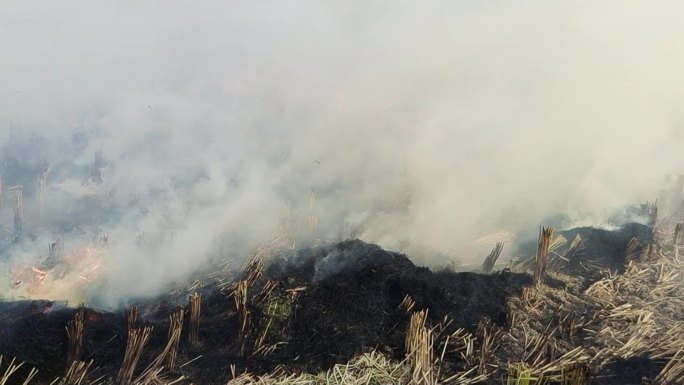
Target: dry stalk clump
(166, 360)
(75, 334)
(195, 304)
(490, 261)
(542, 256)
(175, 329)
(137, 338)
(76, 373)
(240, 297)
(419, 344)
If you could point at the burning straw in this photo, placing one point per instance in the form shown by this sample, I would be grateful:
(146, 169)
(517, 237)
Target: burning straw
(75, 333)
(542, 257)
(195, 307)
(490, 261)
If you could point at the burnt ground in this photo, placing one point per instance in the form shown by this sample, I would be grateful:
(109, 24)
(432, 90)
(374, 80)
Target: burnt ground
(311, 309)
(330, 312)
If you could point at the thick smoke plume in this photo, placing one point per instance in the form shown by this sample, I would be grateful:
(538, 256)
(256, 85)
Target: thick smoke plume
(185, 131)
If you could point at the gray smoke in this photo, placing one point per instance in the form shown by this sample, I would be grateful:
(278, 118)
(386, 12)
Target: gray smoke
(191, 132)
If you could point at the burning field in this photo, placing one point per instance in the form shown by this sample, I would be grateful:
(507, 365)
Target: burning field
(341, 192)
(586, 306)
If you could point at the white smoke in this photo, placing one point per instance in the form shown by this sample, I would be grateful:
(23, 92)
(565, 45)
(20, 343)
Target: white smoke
(418, 125)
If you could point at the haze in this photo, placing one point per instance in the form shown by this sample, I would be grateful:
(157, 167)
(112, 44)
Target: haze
(420, 126)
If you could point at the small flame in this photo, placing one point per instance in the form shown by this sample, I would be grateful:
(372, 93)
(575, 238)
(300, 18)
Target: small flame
(66, 280)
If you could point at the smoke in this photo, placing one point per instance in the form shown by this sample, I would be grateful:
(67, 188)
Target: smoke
(421, 126)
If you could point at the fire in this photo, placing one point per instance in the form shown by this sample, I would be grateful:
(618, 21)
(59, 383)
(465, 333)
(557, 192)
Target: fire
(66, 278)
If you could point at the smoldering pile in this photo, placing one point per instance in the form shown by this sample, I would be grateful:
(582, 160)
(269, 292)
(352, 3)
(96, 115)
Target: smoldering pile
(300, 311)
